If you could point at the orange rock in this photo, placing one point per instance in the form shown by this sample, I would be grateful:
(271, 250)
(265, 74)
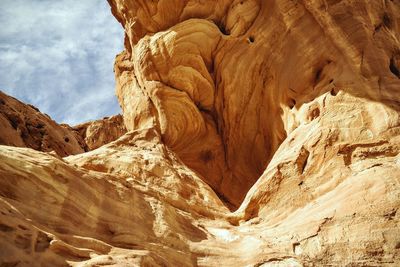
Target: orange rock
(25, 126)
(100, 132)
(260, 133)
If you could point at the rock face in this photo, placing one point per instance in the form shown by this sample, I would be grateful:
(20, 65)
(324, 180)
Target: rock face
(25, 126)
(261, 133)
(226, 82)
(100, 132)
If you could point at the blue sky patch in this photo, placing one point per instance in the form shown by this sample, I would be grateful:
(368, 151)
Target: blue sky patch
(59, 56)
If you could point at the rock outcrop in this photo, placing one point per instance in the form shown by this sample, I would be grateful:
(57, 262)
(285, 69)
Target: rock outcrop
(260, 133)
(24, 125)
(100, 132)
(226, 82)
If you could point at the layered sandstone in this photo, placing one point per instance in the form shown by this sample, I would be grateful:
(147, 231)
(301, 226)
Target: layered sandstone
(24, 125)
(261, 133)
(100, 132)
(226, 82)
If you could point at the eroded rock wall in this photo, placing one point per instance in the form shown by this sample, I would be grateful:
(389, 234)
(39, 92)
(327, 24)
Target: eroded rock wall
(292, 106)
(226, 82)
(97, 214)
(24, 125)
(100, 132)
(317, 79)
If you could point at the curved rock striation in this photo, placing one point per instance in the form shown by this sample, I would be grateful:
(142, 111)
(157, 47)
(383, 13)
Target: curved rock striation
(242, 77)
(260, 133)
(100, 132)
(83, 211)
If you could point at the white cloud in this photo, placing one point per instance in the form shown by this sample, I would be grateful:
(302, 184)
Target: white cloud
(58, 56)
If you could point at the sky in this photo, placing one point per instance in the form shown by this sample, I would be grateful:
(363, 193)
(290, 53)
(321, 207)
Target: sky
(59, 56)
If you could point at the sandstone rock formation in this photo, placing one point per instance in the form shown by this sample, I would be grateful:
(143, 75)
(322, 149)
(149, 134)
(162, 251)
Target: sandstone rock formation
(100, 132)
(227, 81)
(25, 126)
(261, 133)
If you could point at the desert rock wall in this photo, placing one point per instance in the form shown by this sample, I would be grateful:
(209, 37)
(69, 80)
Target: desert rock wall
(259, 133)
(24, 125)
(226, 82)
(100, 132)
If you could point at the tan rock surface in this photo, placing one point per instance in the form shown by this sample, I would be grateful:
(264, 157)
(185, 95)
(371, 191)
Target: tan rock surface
(224, 80)
(100, 132)
(290, 106)
(101, 216)
(24, 125)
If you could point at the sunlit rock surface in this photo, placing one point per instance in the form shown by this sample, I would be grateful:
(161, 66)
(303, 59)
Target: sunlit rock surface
(24, 125)
(260, 133)
(100, 132)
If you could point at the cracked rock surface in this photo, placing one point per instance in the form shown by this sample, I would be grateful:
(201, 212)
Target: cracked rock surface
(259, 133)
